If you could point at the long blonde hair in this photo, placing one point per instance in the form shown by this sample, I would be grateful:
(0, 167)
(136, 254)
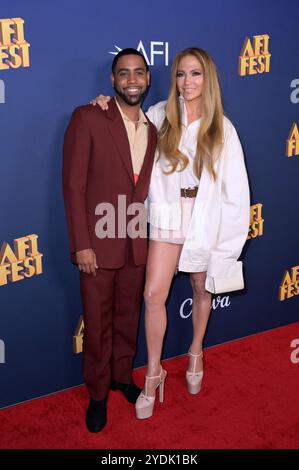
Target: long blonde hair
(210, 134)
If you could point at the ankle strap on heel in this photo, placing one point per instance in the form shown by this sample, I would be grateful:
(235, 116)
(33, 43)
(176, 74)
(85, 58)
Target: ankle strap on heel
(147, 377)
(195, 355)
(155, 376)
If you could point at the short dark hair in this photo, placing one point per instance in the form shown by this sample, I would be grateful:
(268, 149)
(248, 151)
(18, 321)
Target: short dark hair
(128, 51)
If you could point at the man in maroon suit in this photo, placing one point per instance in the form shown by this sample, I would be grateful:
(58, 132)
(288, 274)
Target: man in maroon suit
(108, 157)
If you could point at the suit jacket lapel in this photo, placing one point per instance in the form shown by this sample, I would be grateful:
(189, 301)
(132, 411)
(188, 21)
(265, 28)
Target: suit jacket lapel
(119, 134)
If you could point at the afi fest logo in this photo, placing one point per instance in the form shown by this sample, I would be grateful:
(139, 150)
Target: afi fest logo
(21, 261)
(292, 147)
(14, 49)
(156, 48)
(255, 58)
(78, 337)
(290, 284)
(256, 221)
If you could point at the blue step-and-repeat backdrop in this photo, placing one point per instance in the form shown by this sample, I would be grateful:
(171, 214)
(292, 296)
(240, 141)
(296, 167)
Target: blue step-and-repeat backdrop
(57, 55)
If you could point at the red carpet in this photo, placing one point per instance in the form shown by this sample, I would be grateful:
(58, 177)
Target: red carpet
(249, 399)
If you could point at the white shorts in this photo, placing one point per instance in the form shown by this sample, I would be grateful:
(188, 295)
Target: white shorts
(175, 236)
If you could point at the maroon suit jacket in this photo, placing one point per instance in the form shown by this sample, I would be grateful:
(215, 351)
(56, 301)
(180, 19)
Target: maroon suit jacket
(97, 167)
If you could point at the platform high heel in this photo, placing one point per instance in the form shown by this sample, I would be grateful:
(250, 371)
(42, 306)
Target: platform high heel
(193, 378)
(145, 404)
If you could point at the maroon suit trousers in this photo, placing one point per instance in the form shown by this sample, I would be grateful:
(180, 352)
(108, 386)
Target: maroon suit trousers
(111, 307)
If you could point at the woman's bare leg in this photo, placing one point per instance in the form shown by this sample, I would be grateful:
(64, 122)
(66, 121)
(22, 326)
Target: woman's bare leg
(201, 310)
(161, 265)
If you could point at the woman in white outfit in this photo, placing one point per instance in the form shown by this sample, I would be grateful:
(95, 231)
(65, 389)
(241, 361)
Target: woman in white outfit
(198, 209)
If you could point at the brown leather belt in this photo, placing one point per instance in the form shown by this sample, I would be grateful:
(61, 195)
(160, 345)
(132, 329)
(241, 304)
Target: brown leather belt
(190, 192)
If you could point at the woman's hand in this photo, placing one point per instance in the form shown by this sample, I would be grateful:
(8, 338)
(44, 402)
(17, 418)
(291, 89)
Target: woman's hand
(102, 101)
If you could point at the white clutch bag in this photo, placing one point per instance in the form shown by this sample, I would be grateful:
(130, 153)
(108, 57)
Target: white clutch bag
(218, 285)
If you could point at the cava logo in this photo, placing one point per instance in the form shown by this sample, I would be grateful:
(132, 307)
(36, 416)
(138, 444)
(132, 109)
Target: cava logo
(24, 260)
(255, 58)
(256, 221)
(156, 48)
(292, 147)
(2, 352)
(295, 93)
(290, 284)
(14, 50)
(78, 337)
(186, 306)
(2, 92)
(185, 312)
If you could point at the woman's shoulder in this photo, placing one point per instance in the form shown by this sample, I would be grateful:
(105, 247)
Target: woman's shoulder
(227, 124)
(156, 113)
(228, 127)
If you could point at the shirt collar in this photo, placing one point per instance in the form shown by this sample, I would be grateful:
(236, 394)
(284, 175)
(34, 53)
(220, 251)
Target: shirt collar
(183, 112)
(141, 120)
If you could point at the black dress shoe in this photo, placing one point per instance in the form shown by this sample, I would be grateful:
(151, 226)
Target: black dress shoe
(130, 391)
(96, 416)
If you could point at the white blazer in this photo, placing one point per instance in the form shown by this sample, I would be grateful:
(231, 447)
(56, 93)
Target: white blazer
(220, 219)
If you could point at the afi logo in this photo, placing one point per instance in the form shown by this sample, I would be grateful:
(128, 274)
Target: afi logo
(156, 48)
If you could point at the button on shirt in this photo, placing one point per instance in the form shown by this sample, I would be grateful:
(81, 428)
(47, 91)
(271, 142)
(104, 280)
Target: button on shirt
(138, 138)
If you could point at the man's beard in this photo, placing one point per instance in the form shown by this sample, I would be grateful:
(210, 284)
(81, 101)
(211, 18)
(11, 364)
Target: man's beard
(131, 100)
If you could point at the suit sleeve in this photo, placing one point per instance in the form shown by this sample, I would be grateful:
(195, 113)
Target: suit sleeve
(235, 211)
(76, 153)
